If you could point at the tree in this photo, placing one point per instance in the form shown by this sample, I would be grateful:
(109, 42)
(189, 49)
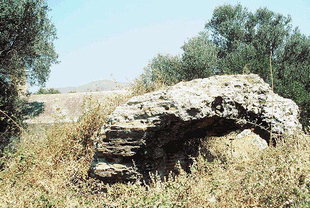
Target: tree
(260, 41)
(162, 69)
(10, 113)
(26, 54)
(293, 73)
(199, 58)
(47, 91)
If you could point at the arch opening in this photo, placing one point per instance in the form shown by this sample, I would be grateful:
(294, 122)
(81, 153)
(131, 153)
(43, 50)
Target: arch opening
(177, 143)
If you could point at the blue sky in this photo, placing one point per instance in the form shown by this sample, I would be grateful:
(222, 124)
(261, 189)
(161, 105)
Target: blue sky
(115, 39)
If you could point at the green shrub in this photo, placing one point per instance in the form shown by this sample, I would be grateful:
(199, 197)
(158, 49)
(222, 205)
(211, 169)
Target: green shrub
(47, 91)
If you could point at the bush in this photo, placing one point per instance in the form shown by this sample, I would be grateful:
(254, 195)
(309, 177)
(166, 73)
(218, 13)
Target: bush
(47, 91)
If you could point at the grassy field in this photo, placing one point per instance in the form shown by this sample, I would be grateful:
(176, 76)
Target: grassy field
(49, 167)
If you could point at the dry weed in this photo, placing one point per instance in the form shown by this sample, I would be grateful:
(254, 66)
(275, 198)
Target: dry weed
(50, 169)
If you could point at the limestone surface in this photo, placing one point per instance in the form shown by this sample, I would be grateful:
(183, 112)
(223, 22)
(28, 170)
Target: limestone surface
(161, 131)
(235, 146)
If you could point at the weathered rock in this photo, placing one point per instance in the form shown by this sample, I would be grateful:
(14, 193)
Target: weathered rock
(234, 146)
(158, 130)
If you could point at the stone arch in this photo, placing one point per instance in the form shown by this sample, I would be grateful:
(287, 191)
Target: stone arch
(153, 132)
(178, 142)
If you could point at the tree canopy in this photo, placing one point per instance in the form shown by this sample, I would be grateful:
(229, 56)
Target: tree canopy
(26, 41)
(256, 42)
(26, 53)
(199, 57)
(240, 41)
(198, 60)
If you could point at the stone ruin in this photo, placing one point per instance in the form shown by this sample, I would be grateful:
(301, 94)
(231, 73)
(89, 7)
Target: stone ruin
(156, 131)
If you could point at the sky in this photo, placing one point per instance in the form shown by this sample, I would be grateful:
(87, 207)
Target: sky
(116, 39)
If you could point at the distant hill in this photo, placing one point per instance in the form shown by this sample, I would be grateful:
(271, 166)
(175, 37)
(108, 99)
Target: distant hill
(65, 107)
(96, 86)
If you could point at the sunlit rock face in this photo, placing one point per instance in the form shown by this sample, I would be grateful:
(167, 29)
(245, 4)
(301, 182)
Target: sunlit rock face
(235, 146)
(159, 131)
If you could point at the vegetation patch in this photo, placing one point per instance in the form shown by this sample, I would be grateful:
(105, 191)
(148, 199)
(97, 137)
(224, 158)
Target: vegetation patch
(50, 165)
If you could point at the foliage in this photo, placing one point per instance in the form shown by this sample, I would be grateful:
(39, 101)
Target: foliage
(26, 53)
(198, 60)
(47, 91)
(10, 112)
(242, 42)
(165, 69)
(54, 158)
(251, 42)
(26, 41)
(50, 165)
(50, 169)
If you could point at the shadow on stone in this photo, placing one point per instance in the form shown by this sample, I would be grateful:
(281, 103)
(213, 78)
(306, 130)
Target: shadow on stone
(176, 145)
(161, 132)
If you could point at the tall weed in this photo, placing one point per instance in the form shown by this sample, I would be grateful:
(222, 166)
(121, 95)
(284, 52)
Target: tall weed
(50, 169)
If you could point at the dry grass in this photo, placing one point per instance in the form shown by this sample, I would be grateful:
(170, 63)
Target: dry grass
(49, 169)
(141, 85)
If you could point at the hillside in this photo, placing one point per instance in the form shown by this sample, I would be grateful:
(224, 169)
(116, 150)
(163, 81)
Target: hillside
(65, 107)
(96, 86)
